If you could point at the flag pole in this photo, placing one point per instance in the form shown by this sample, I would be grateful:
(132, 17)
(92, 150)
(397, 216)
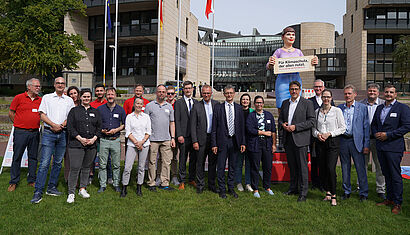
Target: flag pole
(179, 44)
(213, 44)
(114, 79)
(159, 37)
(105, 41)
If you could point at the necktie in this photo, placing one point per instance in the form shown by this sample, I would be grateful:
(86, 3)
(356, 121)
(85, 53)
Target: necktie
(230, 121)
(190, 106)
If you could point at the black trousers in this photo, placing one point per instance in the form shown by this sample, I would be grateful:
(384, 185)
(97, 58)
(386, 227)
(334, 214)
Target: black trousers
(204, 151)
(315, 164)
(230, 153)
(186, 150)
(265, 155)
(329, 152)
(297, 162)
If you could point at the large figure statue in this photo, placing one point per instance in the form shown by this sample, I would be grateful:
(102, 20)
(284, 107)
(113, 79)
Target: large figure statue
(283, 80)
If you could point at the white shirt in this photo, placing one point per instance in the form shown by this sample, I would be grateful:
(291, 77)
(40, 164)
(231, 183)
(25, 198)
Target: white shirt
(371, 109)
(138, 126)
(333, 122)
(227, 114)
(319, 100)
(56, 107)
(209, 114)
(292, 107)
(187, 100)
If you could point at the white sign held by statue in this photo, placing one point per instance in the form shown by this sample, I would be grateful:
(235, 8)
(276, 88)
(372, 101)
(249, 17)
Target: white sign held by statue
(294, 64)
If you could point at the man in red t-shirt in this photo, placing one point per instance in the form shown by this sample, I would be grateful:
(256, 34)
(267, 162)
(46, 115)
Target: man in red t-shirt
(99, 93)
(26, 121)
(129, 103)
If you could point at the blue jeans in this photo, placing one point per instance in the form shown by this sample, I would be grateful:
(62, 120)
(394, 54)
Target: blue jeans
(52, 144)
(238, 173)
(347, 149)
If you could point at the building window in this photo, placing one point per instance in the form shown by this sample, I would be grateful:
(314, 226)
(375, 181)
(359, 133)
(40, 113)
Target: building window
(186, 27)
(351, 22)
(356, 5)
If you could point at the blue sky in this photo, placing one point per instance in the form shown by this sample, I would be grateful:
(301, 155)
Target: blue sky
(269, 16)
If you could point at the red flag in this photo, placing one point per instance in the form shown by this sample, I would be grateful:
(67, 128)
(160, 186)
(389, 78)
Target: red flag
(208, 9)
(161, 21)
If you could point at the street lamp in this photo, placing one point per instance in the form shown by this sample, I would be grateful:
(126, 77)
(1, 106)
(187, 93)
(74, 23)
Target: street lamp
(114, 69)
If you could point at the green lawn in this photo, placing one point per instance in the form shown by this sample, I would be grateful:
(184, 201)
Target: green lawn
(185, 212)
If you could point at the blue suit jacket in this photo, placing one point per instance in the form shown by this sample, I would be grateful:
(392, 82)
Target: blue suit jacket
(396, 125)
(220, 134)
(252, 131)
(360, 126)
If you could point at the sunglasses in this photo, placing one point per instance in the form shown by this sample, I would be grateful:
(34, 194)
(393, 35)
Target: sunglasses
(170, 93)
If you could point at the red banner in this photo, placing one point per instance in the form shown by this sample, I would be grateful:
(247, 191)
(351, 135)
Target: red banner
(208, 9)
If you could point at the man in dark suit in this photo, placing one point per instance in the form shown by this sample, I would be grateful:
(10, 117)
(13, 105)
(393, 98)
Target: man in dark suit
(355, 142)
(182, 111)
(390, 123)
(318, 86)
(201, 128)
(227, 139)
(297, 118)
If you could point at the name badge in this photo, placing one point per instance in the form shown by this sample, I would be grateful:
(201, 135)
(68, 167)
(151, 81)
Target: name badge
(92, 115)
(34, 110)
(143, 108)
(116, 115)
(167, 110)
(268, 121)
(393, 115)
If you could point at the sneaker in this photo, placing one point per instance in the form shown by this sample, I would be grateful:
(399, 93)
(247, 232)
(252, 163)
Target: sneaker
(102, 189)
(248, 188)
(270, 192)
(175, 181)
(37, 197)
(53, 192)
(166, 188)
(110, 181)
(158, 182)
(70, 198)
(257, 195)
(83, 193)
(239, 187)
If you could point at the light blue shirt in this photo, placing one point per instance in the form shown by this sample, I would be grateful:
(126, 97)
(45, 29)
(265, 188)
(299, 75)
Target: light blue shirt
(348, 116)
(209, 114)
(385, 111)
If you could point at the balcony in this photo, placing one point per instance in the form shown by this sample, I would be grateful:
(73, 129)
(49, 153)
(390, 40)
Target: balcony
(98, 3)
(386, 24)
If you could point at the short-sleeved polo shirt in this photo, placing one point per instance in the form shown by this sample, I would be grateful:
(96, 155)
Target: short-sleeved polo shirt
(161, 116)
(27, 115)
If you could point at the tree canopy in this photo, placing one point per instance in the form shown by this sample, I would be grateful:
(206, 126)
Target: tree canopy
(32, 36)
(401, 56)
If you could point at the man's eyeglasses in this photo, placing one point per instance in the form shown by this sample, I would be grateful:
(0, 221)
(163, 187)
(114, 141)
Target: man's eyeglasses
(60, 83)
(326, 97)
(170, 93)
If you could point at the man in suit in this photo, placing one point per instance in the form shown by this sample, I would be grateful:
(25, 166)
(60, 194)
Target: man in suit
(182, 108)
(390, 123)
(227, 139)
(297, 118)
(355, 142)
(372, 101)
(318, 86)
(201, 127)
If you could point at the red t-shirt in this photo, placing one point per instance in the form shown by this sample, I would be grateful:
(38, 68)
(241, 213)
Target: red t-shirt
(95, 104)
(129, 103)
(27, 115)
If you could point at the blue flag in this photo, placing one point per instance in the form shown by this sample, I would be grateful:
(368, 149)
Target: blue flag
(108, 14)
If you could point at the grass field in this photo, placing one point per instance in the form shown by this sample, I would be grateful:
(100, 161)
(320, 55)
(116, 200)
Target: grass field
(186, 212)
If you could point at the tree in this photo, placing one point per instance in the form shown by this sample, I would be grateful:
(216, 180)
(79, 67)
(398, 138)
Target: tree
(401, 57)
(32, 36)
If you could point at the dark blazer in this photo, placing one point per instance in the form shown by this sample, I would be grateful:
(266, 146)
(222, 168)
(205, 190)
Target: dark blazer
(220, 134)
(252, 143)
(315, 104)
(396, 125)
(199, 122)
(303, 119)
(360, 126)
(182, 118)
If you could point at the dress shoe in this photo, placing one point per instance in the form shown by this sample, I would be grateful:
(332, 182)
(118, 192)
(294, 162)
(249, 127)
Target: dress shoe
(11, 187)
(290, 193)
(181, 186)
(139, 192)
(363, 198)
(396, 209)
(381, 195)
(213, 189)
(193, 183)
(199, 190)
(345, 196)
(32, 184)
(233, 193)
(302, 198)
(152, 188)
(102, 189)
(222, 195)
(123, 191)
(385, 203)
(117, 189)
